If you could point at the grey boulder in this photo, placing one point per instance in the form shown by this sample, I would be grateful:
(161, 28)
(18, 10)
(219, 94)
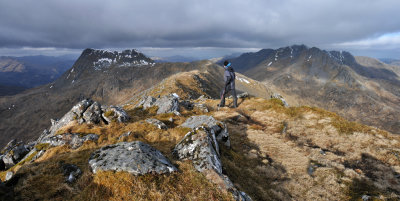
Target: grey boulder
(93, 114)
(278, 96)
(165, 104)
(218, 128)
(76, 113)
(201, 147)
(9, 175)
(136, 157)
(71, 172)
(159, 124)
(115, 113)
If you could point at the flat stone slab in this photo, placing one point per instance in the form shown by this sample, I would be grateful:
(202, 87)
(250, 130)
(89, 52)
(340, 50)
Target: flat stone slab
(136, 157)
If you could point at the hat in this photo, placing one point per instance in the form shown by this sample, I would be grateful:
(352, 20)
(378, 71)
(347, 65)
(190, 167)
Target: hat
(226, 62)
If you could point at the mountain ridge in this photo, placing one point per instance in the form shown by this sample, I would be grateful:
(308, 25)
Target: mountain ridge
(332, 80)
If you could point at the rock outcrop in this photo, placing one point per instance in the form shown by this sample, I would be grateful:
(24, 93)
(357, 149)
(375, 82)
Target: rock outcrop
(115, 113)
(73, 139)
(201, 147)
(136, 157)
(86, 111)
(218, 128)
(13, 152)
(165, 104)
(278, 96)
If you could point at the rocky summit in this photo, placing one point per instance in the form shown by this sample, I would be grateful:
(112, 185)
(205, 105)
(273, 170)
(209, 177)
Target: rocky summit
(155, 132)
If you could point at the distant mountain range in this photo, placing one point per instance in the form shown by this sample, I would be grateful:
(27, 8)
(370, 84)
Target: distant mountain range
(175, 58)
(359, 88)
(395, 62)
(19, 73)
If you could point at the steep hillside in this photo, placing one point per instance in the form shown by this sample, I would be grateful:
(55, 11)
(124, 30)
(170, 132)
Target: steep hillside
(267, 150)
(357, 88)
(108, 77)
(31, 71)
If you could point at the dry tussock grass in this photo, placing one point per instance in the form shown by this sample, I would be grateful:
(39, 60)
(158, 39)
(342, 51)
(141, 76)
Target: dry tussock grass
(321, 155)
(346, 160)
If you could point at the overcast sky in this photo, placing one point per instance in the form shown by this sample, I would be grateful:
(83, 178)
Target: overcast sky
(201, 28)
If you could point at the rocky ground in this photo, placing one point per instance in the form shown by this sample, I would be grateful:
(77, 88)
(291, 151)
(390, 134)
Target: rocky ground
(172, 142)
(167, 148)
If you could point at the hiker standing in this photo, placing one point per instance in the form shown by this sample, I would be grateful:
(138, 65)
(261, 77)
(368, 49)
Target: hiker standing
(229, 78)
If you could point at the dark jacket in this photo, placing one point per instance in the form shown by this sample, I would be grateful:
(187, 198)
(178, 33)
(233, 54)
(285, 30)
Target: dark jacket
(229, 75)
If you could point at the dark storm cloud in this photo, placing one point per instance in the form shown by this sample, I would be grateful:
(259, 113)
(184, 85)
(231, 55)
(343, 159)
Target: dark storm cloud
(183, 23)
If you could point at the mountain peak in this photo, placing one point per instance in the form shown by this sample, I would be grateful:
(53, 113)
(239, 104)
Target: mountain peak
(102, 59)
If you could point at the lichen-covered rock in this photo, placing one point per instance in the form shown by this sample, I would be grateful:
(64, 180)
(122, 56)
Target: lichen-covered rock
(13, 153)
(147, 102)
(73, 139)
(136, 157)
(201, 147)
(93, 113)
(158, 123)
(74, 114)
(115, 113)
(224, 183)
(8, 161)
(278, 96)
(200, 107)
(218, 128)
(71, 172)
(165, 104)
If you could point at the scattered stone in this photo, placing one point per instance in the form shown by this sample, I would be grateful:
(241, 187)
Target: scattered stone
(125, 135)
(71, 172)
(243, 95)
(93, 114)
(199, 146)
(9, 175)
(218, 128)
(8, 161)
(171, 120)
(201, 107)
(285, 125)
(115, 113)
(365, 197)
(158, 123)
(278, 96)
(136, 157)
(73, 139)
